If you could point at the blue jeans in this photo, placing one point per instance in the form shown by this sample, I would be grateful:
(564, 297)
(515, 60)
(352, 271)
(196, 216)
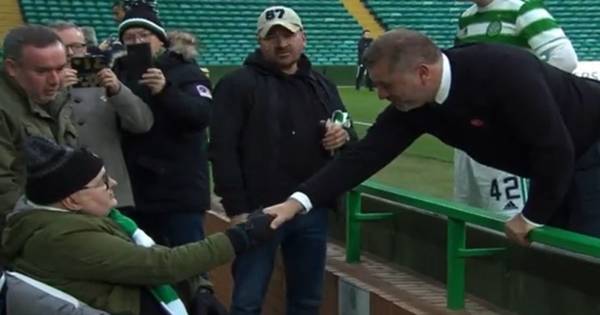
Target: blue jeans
(303, 243)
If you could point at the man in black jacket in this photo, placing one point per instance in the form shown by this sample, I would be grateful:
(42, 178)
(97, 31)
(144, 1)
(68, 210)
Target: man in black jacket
(266, 138)
(361, 70)
(168, 165)
(501, 105)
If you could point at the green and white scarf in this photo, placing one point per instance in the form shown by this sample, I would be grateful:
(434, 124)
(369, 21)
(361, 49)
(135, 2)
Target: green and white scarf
(164, 294)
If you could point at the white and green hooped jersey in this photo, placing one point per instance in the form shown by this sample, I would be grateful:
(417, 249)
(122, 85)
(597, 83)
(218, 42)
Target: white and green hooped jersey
(522, 23)
(525, 24)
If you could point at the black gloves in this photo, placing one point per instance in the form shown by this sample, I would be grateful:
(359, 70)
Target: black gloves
(254, 231)
(205, 303)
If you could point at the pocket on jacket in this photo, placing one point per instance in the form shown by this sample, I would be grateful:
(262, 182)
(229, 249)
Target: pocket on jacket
(71, 135)
(31, 130)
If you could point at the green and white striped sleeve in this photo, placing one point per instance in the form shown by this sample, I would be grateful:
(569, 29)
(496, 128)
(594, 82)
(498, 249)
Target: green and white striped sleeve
(544, 36)
(493, 24)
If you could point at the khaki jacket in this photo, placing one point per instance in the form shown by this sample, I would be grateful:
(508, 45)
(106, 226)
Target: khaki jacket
(19, 118)
(95, 261)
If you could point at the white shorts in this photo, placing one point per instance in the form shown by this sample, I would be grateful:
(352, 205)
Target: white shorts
(484, 187)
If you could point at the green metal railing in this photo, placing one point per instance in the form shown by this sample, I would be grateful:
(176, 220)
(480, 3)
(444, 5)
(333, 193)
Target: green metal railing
(458, 216)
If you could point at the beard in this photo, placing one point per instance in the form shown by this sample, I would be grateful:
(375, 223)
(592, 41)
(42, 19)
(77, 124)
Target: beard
(290, 59)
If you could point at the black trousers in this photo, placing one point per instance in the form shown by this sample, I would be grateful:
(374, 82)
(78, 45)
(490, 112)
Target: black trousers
(580, 211)
(361, 71)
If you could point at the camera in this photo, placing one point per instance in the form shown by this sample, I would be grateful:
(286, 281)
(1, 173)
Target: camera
(87, 67)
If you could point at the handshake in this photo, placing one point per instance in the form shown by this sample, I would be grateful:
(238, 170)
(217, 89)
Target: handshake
(254, 231)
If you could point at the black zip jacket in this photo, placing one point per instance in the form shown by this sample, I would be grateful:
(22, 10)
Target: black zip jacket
(265, 132)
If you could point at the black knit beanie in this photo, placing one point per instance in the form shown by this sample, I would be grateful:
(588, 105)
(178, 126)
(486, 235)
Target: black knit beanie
(143, 13)
(55, 172)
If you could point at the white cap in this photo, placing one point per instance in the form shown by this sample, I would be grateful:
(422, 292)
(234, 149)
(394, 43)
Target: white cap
(278, 15)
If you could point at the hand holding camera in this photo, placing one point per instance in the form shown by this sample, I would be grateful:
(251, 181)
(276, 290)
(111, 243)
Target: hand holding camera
(139, 67)
(69, 77)
(335, 136)
(108, 79)
(334, 133)
(154, 79)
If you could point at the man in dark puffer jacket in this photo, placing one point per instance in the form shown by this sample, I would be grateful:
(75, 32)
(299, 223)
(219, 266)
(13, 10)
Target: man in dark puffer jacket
(168, 164)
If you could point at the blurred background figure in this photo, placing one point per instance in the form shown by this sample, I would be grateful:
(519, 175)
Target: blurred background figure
(361, 71)
(91, 40)
(118, 11)
(111, 46)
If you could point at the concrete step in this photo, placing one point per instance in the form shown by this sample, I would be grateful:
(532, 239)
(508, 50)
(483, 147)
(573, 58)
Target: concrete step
(369, 288)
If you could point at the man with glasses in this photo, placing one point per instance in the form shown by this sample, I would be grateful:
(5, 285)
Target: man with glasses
(101, 113)
(168, 165)
(270, 131)
(32, 103)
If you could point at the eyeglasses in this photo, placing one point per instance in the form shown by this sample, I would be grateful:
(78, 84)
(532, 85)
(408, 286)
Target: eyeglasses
(105, 182)
(77, 47)
(132, 38)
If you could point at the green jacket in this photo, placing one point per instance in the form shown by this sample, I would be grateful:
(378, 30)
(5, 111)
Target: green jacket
(20, 118)
(92, 259)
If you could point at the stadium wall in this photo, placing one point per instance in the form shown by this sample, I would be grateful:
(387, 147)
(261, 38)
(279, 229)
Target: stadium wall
(536, 280)
(348, 289)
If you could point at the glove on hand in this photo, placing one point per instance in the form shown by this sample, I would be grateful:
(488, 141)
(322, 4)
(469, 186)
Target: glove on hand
(258, 227)
(254, 231)
(205, 303)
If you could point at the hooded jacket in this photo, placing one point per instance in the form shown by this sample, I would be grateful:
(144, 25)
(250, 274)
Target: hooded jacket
(92, 259)
(266, 132)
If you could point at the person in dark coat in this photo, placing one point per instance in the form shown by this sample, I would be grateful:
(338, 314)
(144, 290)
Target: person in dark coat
(500, 104)
(361, 70)
(271, 130)
(168, 165)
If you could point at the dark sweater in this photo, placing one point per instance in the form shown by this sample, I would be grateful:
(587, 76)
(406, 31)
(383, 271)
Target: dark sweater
(506, 109)
(265, 132)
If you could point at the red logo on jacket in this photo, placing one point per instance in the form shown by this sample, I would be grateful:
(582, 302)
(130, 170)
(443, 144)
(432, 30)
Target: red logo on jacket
(476, 122)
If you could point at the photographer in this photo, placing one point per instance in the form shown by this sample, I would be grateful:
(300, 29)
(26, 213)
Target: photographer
(101, 107)
(168, 165)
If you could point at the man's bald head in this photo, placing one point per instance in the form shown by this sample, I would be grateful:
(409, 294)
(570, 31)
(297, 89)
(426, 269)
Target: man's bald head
(402, 49)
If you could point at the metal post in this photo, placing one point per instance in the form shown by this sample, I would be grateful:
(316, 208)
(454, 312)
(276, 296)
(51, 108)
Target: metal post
(456, 265)
(353, 230)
